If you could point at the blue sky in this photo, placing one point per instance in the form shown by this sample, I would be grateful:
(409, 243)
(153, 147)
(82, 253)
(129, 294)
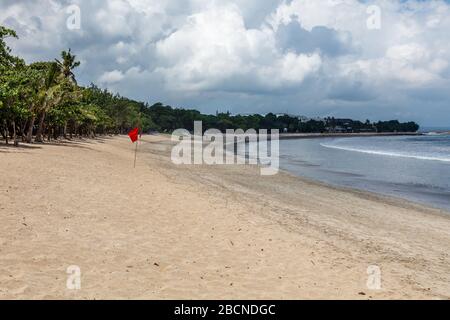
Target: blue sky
(342, 58)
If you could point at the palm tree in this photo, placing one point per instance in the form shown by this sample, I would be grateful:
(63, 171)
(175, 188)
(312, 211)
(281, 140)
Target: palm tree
(47, 96)
(59, 76)
(67, 65)
(66, 68)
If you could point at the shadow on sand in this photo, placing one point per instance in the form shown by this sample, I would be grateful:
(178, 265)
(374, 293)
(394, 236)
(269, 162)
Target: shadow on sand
(74, 143)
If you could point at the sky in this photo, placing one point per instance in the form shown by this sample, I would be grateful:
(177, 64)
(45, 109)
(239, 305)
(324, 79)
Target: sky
(377, 60)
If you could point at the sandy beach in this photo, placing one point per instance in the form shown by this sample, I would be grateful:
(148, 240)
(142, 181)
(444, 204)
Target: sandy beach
(162, 231)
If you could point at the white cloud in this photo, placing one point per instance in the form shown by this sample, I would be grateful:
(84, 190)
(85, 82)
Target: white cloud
(290, 69)
(111, 77)
(215, 46)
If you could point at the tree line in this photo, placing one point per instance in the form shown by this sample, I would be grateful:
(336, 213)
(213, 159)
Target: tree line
(168, 119)
(42, 101)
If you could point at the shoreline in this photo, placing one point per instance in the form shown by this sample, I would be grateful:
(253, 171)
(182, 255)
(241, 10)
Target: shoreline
(287, 136)
(395, 200)
(162, 231)
(377, 196)
(427, 195)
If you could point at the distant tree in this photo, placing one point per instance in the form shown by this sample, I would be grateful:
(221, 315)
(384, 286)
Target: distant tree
(67, 65)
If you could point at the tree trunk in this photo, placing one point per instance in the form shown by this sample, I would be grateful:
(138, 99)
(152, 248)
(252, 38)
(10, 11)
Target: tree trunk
(23, 126)
(30, 129)
(2, 131)
(6, 132)
(40, 128)
(56, 133)
(16, 142)
(65, 130)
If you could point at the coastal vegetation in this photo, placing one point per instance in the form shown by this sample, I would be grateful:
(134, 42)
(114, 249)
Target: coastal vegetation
(43, 101)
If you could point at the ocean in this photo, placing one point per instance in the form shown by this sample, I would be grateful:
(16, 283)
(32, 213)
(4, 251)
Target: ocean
(416, 168)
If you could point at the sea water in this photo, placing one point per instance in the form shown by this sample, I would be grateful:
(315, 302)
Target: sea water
(416, 168)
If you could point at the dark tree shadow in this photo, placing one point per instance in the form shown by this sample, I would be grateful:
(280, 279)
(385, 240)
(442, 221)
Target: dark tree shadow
(21, 147)
(83, 143)
(77, 142)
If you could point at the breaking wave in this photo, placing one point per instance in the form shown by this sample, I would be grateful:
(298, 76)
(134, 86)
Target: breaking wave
(432, 157)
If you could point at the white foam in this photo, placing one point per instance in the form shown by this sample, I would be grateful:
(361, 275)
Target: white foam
(387, 153)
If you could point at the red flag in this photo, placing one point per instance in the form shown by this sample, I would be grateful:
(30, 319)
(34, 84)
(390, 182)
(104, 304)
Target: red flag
(134, 135)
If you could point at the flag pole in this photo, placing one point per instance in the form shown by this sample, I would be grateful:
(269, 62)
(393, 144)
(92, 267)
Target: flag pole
(135, 153)
(134, 136)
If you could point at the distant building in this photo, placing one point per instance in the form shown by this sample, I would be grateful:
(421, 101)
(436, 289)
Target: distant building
(303, 119)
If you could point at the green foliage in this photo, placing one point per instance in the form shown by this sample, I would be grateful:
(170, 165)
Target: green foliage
(7, 61)
(44, 99)
(67, 64)
(395, 126)
(168, 119)
(121, 113)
